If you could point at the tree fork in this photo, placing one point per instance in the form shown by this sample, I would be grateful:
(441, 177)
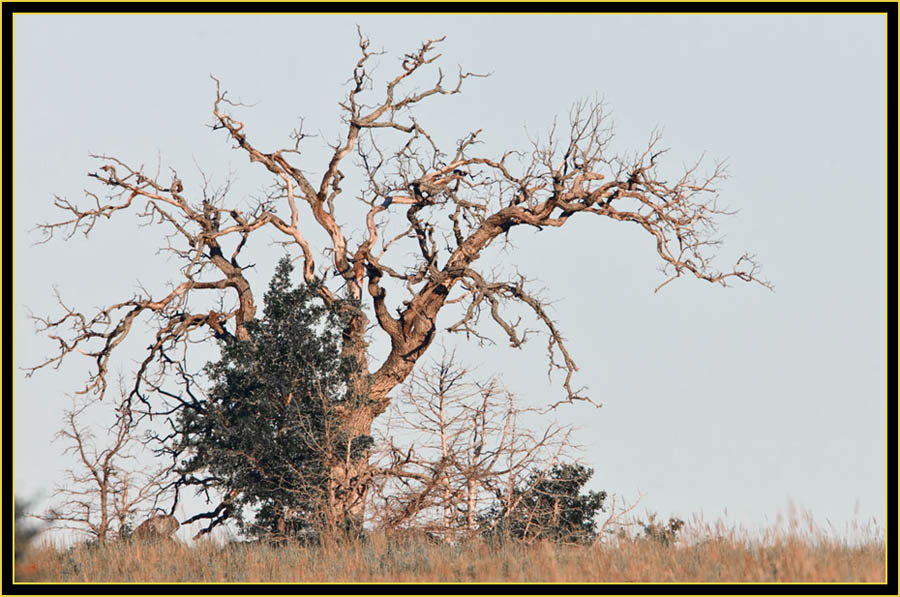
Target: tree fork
(483, 197)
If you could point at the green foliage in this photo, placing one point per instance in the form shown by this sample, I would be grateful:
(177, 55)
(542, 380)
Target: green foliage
(549, 506)
(269, 429)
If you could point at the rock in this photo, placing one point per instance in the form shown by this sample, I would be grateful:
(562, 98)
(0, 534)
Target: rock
(158, 526)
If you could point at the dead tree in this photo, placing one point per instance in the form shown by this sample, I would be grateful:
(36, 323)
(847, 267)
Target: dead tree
(103, 492)
(447, 207)
(470, 447)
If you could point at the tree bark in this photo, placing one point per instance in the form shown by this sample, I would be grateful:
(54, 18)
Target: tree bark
(482, 197)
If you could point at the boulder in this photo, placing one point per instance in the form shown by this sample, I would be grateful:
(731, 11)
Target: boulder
(158, 526)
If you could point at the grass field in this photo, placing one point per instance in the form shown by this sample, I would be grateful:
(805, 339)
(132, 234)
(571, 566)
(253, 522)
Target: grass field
(703, 554)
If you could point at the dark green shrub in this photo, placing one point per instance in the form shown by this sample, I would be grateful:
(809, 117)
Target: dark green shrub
(269, 432)
(548, 506)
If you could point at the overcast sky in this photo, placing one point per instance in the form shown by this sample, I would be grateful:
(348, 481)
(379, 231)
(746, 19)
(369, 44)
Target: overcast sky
(714, 399)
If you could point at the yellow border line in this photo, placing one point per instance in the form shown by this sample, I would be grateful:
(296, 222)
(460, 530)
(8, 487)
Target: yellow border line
(13, 265)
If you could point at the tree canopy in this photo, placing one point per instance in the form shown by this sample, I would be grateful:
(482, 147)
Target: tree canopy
(268, 433)
(409, 245)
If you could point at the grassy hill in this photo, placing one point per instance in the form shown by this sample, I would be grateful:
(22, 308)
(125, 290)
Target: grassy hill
(701, 554)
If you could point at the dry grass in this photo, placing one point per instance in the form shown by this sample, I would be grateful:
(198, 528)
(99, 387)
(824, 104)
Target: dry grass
(719, 557)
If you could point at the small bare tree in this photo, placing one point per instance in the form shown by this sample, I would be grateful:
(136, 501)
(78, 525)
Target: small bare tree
(617, 520)
(468, 447)
(106, 489)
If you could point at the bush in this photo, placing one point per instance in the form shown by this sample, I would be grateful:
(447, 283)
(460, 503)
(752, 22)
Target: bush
(548, 506)
(665, 534)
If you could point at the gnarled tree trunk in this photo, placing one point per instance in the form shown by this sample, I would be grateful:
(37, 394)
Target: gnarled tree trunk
(448, 207)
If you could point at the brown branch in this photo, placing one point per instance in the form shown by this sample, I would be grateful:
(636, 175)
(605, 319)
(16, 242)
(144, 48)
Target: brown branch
(444, 208)
(469, 448)
(101, 497)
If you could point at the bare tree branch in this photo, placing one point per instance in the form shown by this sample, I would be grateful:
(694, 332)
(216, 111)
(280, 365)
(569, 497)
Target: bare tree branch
(102, 495)
(429, 216)
(470, 447)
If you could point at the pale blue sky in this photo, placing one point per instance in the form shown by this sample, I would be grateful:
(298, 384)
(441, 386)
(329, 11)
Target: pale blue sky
(713, 397)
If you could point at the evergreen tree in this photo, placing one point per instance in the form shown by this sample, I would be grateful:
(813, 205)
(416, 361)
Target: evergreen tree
(548, 506)
(269, 432)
